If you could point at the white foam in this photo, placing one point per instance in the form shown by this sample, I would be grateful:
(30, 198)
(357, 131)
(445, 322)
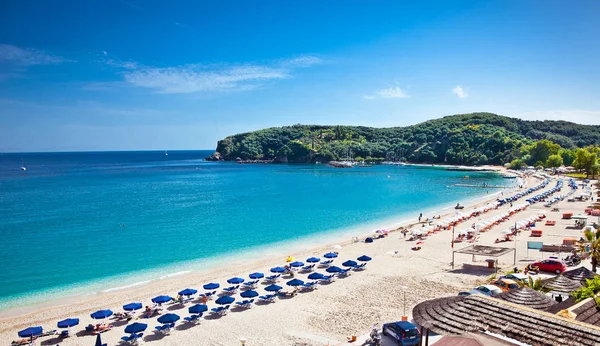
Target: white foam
(140, 283)
(174, 274)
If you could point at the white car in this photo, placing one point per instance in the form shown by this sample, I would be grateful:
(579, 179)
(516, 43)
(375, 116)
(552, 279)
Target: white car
(518, 277)
(488, 290)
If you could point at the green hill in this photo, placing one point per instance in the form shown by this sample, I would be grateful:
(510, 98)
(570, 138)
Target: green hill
(469, 139)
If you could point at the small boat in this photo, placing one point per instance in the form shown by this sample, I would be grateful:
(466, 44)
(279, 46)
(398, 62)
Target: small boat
(166, 153)
(458, 206)
(23, 168)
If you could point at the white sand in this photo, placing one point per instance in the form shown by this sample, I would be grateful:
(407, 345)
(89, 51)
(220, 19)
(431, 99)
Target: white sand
(348, 306)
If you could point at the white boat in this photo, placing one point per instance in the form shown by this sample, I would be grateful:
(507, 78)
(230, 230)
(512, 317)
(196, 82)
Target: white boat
(166, 153)
(23, 168)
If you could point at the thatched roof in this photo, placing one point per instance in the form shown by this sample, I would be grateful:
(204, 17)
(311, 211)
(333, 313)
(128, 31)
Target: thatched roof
(482, 250)
(587, 312)
(579, 274)
(457, 315)
(561, 284)
(565, 304)
(528, 297)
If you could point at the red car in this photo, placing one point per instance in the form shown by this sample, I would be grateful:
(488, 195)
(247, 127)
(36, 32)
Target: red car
(550, 265)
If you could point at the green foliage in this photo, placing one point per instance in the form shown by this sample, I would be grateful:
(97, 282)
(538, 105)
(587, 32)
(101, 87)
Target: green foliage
(469, 139)
(554, 161)
(534, 284)
(591, 288)
(517, 164)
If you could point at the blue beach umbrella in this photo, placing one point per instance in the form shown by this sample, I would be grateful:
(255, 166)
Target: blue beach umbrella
(273, 288)
(256, 276)
(313, 260)
(349, 263)
(31, 332)
(295, 282)
(235, 280)
(315, 276)
(364, 258)
(249, 294)
(278, 270)
(168, 318)
(136, 327)
(296, 264)
(132, 306)
(100, 314)
(68, 323)
(188, 292)
(211, 286)
(197, 309)
(224, 300)
(333, 269)
(330, 255)
(161, 299)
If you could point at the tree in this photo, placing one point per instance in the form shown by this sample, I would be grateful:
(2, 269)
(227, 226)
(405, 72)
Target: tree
(516, 164)
(554, 161)
(541, 150)
(591, 244)
(536, 284)
(567, 155)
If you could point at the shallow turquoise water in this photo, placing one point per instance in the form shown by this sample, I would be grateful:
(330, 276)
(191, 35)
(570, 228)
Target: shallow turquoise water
(73, 219)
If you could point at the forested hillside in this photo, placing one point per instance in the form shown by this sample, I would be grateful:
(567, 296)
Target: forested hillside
(469, 139)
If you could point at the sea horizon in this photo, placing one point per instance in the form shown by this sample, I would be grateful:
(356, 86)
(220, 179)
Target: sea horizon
(384, 188)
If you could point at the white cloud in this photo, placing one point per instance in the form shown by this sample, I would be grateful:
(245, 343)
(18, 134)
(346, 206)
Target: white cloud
(28, 56)
(129, 65)
(578, 116)
(369, 97)
(195, 78)
(302, 61)
(389, 93)
(104, 52)
(460, 92)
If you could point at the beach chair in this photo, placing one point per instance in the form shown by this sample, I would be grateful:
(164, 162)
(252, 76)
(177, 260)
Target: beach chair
(361, 266)
(64, 334)
(328, 278)
(269, 298)
(250, 284)
(273, 278)
(165, 328)
(193, 318)
(309, 286)
(133, 338)
(308, 268)
(325, 264)
(231, 289)
(345, 272)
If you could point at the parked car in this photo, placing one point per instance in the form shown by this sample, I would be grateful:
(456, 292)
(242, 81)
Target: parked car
(488, 290)
(468, 293)
(404, 332)
(550, 265)
(518, 277)
(506, 284)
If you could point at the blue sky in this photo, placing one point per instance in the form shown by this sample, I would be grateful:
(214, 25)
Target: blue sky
(132, 74)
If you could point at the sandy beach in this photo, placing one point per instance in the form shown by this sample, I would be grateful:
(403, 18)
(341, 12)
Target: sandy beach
(328, 315)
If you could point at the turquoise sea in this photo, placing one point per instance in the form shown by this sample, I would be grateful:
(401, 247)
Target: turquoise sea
(77, 223)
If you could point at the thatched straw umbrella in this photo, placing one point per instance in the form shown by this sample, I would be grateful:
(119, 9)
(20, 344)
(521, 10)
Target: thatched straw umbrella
(562, 285)
(579, 274)
(528, 297)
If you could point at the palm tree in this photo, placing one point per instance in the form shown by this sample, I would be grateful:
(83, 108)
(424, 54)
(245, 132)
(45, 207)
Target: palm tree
(591, 245)
(535, 285)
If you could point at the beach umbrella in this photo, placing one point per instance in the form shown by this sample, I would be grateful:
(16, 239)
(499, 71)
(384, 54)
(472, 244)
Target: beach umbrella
(364, 258)
(273, 288)
(211, 286)
(278, 270)
(313, 260)
(295, 282)
(132, 306)
(188, 292)
(330, 255)
(136, 327)
(256, 276)
(296, 264)
(333, 269)
(235, 280)
(225, 300)
(249, 294)
(198, 308)
(168, 318)
(315, 276)
(161, 299)
(31, 332)
(290, 259)
(68, 323)
(100, 314)
(349, 263)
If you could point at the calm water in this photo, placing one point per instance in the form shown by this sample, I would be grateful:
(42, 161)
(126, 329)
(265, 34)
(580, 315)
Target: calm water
(73, 220)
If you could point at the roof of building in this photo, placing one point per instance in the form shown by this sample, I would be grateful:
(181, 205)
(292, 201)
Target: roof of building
(587, 311)
(457, 315)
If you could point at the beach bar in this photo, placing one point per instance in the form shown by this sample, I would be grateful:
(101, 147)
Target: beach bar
(483, 250)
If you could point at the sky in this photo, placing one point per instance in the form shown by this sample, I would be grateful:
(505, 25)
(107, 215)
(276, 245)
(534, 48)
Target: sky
(156, 75)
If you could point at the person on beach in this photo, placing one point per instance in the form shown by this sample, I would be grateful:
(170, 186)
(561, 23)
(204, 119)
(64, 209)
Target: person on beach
(420, 216)
(204, 299)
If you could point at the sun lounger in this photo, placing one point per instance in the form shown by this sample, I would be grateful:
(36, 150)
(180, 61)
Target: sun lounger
(246, 304)
(361, 266)
(328, 278)
(209, 295)
(269, 298)
(250, 284)
(550, 223)
(102, 329)
(133, 338)
(308, 268)
(64, 334)
(325, 263)
(193, 318)
(309, 286)
(221, 310)
(231, 289)
(273, 278)
(345, 272)
(165, 328)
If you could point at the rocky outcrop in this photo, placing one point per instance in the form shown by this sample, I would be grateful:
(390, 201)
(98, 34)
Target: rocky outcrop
(215, 157)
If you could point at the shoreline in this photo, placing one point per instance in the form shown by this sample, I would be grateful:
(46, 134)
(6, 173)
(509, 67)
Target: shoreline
(260, 255)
